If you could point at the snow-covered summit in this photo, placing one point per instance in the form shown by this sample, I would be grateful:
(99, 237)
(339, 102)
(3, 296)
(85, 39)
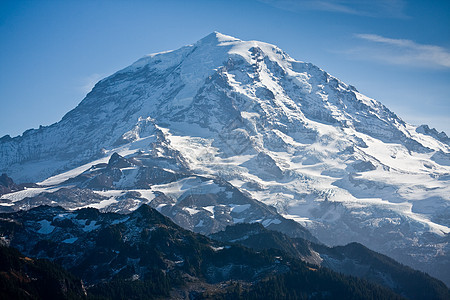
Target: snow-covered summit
(284, 131)
(216, 38)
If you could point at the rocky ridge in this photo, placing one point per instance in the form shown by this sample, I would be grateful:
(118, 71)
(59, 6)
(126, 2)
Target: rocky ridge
(281, 131)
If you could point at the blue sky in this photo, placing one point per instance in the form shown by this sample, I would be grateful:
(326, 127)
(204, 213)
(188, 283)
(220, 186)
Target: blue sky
(52, 52)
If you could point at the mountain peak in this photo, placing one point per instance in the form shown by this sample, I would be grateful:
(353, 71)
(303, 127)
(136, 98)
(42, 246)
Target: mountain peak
(216, 37)
(284, 131)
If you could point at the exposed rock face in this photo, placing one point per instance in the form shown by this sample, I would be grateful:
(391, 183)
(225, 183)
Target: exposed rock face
(441, 136)
(7, 185)
(283, 132)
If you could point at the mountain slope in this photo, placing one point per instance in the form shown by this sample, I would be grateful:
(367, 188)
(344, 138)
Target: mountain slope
(24, 278)
(285, 132)
(353, 259)
(148, 255)
(103, 247)
(198, 203)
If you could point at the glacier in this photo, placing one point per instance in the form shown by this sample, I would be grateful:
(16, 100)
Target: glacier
(283, 132)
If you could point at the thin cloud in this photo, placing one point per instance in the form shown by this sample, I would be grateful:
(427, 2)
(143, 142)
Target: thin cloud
(367, 8)
(401, 52)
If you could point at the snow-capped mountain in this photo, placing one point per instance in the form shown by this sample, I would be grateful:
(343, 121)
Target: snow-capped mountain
(280, 131)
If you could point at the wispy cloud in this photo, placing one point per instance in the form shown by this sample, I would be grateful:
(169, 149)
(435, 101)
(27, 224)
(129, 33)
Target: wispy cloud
(368, 8)
(401, 52)
(89, 81)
